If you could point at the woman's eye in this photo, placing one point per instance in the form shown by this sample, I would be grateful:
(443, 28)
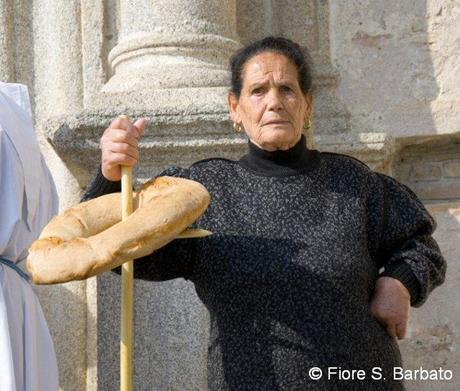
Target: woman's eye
(285, 89)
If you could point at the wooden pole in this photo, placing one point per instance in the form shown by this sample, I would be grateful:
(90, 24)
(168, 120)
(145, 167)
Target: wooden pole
(127, 294)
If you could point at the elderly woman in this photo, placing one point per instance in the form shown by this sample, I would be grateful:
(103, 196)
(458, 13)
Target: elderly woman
(292, 274)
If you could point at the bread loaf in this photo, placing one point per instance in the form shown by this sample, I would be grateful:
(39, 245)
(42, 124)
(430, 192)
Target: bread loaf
(90, 238)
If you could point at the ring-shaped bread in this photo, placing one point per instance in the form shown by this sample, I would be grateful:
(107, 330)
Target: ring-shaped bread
(90, 238)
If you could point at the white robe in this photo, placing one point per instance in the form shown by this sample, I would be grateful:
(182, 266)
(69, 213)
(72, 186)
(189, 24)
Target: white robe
(28, 200)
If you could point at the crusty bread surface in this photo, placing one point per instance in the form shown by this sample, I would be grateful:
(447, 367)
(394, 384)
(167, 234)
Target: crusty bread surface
(90, 238)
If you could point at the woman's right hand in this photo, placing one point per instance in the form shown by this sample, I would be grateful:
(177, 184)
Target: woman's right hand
(119, 145)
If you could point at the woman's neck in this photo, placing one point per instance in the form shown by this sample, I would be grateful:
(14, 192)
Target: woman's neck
(296, 160)
(276, 147)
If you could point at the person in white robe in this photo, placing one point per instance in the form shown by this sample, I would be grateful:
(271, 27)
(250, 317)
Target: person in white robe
(28, 200)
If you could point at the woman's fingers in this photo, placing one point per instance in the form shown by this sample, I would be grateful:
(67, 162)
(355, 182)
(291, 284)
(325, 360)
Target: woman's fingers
(121, 159)
(123, 149)
(117, 136)
(135, 130)
(401, 329)
(119, 145)
(390, 306)
(391, 329)
(124, 123)
(395, 325)
(120, 136)
(140, 126)
(116, 154)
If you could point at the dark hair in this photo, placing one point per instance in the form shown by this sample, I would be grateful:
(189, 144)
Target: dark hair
(278, 45)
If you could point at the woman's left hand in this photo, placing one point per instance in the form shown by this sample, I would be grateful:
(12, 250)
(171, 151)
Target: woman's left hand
(390, 306)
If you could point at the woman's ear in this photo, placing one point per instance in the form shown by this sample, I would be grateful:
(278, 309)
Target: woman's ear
(232, 101)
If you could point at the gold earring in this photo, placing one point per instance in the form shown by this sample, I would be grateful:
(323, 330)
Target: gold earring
(307, 125)
(237, 127)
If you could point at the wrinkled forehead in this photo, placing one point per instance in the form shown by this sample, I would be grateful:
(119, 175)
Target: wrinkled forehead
(269, 65)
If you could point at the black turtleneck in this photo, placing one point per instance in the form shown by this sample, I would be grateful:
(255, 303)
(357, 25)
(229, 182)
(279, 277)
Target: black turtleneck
(296, 160)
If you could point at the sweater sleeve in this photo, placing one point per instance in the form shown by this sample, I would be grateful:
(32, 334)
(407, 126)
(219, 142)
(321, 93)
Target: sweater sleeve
(406, 248)
(171, 261)
(99, 186)
(176, 259)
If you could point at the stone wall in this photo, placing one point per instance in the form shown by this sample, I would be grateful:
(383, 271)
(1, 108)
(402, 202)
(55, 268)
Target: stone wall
(386, 90)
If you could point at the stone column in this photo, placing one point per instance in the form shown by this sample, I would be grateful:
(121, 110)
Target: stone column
(6, 42)
(172, 46)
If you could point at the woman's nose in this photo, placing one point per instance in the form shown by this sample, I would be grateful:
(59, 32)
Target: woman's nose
(274, 100)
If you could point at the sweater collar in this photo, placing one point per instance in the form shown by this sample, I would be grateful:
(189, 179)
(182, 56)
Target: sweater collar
(296, 160)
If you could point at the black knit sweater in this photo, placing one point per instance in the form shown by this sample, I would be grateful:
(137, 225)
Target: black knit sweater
(300, 237)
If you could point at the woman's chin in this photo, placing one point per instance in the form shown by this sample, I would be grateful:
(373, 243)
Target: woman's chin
(279, 138)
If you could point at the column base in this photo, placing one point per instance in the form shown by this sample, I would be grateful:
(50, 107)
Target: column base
(161, 61)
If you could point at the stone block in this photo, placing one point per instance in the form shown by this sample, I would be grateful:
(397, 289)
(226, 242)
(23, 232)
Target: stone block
(421, 164)
(374, 149)
(425, 172)
(442, 190)
(452, 169)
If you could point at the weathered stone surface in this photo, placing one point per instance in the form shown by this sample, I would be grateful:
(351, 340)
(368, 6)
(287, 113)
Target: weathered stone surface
(171, 327)
(398, 64)
(452, 169)
(428, 166)
(66, 313)
(444, 190)
(6, 41)
(57, 84)
(374, 149)
(425, 172)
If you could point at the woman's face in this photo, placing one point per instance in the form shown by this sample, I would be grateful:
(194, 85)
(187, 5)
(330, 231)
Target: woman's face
(271, 108)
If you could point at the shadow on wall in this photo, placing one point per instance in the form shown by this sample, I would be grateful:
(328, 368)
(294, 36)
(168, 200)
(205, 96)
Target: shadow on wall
(170, 334)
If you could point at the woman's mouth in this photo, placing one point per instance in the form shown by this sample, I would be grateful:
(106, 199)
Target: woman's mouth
(279, 122)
